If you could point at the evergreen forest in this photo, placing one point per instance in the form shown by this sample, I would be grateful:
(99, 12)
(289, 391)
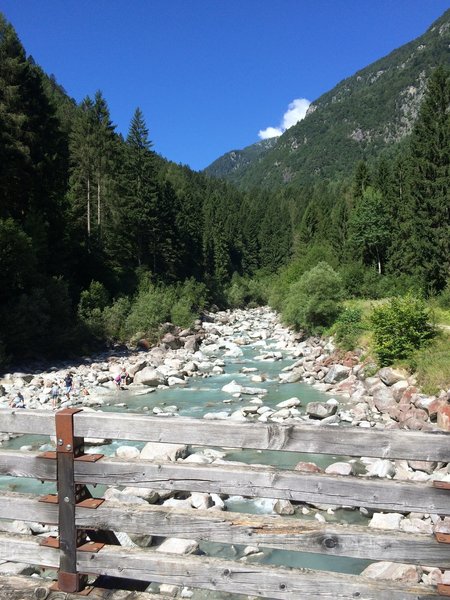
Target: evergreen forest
(102, 240)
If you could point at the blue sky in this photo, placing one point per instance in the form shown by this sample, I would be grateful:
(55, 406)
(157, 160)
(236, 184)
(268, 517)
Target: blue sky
(210, 75)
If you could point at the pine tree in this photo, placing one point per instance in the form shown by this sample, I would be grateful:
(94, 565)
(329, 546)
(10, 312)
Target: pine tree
(430, 155)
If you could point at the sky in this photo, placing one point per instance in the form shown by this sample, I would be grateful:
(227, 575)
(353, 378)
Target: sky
(211, 75)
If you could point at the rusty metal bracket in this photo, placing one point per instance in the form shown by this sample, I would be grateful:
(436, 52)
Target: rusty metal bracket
(441, 485)
(72, 583)
(443, 590)
(50, 542)
(51, 455)
(65, 440)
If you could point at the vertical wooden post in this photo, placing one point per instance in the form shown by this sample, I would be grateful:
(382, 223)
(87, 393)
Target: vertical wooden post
(67, 449)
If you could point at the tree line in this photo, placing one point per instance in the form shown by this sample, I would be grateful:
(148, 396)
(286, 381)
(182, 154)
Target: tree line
(100, 237)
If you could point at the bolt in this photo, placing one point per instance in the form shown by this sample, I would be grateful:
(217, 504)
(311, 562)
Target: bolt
(60, 442)
(68, 447)
(67, 499)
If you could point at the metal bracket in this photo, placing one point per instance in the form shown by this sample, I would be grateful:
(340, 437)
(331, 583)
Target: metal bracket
(53, 542)
(84, 503)
(443, 538)
(65, 440)
(442, 485)
(51, 455)
(72, 581)
(443, 590)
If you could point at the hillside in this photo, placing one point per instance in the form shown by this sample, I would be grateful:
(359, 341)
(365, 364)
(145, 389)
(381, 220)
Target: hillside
(358, 119)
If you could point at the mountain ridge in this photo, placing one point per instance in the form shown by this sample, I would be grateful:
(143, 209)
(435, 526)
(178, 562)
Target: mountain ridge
(362, 116)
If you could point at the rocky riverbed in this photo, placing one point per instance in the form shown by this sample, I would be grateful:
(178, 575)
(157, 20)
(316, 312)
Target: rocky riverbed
(358, 395)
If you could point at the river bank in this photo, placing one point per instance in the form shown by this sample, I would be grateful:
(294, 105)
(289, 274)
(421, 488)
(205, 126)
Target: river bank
(366, 397)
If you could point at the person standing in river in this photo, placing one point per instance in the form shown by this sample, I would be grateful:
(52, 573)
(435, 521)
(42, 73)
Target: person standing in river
(68, 381)
(54, 393)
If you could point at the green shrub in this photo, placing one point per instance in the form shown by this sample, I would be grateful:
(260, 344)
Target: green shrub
(151, 308)
(114, 318)
(443, 300)
(400, 327)
(348, 328)
(314, 302)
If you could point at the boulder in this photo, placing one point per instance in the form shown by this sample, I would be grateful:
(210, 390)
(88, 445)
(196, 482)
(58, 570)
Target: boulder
(307, 467)
(320, 410)
(393, 572)
(149, 376)
(389, 521)
(290, 403)
(339, 468)
(160, 451)
(337, 373)
(390, 376)
(127, 452)
(283, 507)
(178, 546)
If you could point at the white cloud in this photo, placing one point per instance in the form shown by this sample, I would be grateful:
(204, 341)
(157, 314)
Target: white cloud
(296, 112)
(270, 132)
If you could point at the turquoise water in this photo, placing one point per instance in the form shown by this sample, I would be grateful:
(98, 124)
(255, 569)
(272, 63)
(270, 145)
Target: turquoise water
(204, 395)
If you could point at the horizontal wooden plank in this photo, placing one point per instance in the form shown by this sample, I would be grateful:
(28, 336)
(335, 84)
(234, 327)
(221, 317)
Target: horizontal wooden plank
(282, 533)
(20, 420)
(267, 482)
(32, 588)
(341, 441)
(265, 581)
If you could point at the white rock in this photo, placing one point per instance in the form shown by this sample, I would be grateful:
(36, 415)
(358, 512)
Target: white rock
(386, 521)
(127, 452)
(160, 451)
(178, 546)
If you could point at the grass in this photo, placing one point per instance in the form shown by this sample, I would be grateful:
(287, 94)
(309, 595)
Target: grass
(432, 365)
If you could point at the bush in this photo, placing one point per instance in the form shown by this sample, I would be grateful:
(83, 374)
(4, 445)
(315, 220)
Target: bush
(314, 302)
(443, 300)
(348, 328)
(151, 308)
(399, 328)
(114, 318)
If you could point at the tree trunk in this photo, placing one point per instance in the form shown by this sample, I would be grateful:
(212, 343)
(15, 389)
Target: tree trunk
(89, 207)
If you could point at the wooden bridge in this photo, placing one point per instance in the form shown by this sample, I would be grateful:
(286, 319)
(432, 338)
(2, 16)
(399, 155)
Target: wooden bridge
(87, 546)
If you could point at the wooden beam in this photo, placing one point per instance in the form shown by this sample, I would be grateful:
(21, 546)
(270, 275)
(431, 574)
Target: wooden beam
(265, 581)
(269, 531)
(267, 482)
(341, 441)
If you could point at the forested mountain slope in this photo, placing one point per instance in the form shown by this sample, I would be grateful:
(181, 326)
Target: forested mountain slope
(358, 119)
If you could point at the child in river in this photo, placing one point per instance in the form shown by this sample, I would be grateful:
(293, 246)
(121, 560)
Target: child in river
(121, 379)
(54, 394)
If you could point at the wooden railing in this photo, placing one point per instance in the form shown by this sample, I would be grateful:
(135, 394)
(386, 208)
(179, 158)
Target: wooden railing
(76, 513)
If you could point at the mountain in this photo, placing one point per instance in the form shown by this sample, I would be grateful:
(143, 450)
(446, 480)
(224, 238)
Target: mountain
(361, 117)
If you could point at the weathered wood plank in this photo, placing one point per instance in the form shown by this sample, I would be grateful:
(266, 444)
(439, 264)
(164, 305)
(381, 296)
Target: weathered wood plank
(344, 441)
(27, 464)
(218, 575)
(256, 580)
(19, 420)
(233, 528)
(267, 482)
(31, 588)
